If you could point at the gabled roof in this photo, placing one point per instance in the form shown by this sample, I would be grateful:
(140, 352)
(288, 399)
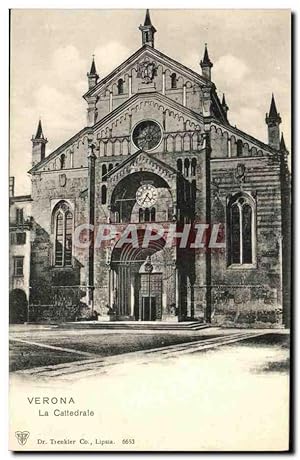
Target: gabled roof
(135, 155)
(61, 148)
(157, 55)
(238, 132)
(151, 95)
(110, 116)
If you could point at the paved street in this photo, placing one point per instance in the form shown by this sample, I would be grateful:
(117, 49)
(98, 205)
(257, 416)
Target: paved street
(58, 353)
(228, 389)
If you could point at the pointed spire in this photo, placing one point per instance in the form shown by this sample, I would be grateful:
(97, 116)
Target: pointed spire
(92, 75)
(39, 131)
(147, 18)
(38, 145)
(148, 31)
(206, 64)
(282, 144)
(93, 70)
(224, 105)
(206, 59)
(273, 121)
(273, 110)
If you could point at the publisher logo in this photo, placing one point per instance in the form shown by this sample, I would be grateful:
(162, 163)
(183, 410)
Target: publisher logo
(22, 437)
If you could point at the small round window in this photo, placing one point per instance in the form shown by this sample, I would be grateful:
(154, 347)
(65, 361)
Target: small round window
(147, 135)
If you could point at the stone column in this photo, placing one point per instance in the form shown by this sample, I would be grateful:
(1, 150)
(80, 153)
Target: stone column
(91, 221)
(130, 85)
(184, 95)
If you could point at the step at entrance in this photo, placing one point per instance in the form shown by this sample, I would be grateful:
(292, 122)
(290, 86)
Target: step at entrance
(136, 325)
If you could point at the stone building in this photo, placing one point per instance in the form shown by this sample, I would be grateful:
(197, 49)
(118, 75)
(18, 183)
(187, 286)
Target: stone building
(158, 148)
(19, 253)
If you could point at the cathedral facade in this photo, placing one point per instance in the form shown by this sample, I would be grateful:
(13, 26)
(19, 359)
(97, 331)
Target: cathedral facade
(159, 152)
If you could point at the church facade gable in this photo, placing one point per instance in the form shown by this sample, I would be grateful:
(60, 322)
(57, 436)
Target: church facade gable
(151, 70)
(159, 150)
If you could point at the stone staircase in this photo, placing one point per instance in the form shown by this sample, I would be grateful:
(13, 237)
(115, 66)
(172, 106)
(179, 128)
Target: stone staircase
(136, 325)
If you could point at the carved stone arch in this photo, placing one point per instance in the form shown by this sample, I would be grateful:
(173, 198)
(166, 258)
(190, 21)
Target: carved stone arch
(246, 149)
(178, 142)
(118, 147)
(186, 142)
(253, 151)
(239, 147)
(170, 143)
(259, 152)
(160, 66)
(114, 88)
(213, 129)
(148, 166)
(180, 79)
(127, 75)
(107, 91)
(189, 124)
(219, 131)
(170, 112)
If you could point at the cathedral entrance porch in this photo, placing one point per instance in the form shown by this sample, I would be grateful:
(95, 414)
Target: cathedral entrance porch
(142, 284)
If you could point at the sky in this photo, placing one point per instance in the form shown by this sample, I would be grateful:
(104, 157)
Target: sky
(51, 52)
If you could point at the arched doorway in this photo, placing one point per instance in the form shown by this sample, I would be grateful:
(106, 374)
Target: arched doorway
(136, 281)
(17, 306)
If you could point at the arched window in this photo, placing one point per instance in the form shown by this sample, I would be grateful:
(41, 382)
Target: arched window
(103, 194)
(152, 214)
(117, 217)
(193, 167)
(63, 234)
(62, 161)
(179, 165)
(239, 148)
(147, 215)
(104, 172)
(241, 231)
(173, 81)
(186, 167)
(110, 166)
(141, 215)
(120, 86)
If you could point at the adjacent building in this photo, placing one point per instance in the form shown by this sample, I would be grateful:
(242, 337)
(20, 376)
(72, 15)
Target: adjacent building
(20, 248)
